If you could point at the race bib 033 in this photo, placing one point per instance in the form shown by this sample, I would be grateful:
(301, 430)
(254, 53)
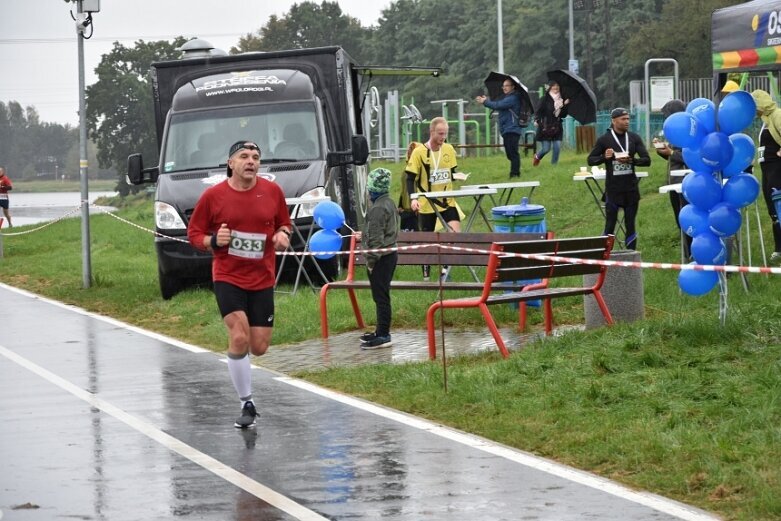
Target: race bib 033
(247, 245)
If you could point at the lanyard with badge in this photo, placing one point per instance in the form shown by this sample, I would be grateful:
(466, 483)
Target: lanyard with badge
(438, 176)
(621, 168)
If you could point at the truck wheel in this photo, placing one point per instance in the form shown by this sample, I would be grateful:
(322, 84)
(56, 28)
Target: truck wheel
(169, 286)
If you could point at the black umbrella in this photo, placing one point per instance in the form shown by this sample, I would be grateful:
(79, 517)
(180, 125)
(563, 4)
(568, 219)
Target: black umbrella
(493, 83)
(582, 101)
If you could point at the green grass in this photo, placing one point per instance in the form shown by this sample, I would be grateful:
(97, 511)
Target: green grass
(676, 404)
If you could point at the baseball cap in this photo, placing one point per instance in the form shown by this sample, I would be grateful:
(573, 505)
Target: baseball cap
(618, 112)
(239, 145)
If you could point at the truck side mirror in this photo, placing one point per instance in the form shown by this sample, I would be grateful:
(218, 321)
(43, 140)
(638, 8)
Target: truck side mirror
(136, 171)
(360, 150)
(357, 155)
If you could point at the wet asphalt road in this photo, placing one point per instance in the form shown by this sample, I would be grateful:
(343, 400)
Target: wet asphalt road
(101, 421)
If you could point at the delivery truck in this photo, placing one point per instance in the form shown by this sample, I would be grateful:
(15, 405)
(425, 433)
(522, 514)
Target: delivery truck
(304, 109)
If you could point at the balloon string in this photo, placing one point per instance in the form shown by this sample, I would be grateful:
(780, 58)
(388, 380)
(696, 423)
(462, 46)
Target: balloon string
(349, 228)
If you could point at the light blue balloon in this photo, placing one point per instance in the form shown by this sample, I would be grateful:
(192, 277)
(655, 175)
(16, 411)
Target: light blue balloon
(740, 190)
(736, 111)
(328, 215)
(708, 248)
(693, 220)
(742, 156)
(716, 150)
(325, 241)
(697, 282)
(705, 111)
(724, 219)
(683, 130)
(701, 190)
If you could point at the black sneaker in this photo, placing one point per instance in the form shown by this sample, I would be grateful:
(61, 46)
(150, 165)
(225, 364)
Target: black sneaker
(377, 342)
(247, 418)
(368, 336)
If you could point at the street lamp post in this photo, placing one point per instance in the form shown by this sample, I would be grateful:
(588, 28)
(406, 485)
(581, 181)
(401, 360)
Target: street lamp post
(82, 22)
(500, 65)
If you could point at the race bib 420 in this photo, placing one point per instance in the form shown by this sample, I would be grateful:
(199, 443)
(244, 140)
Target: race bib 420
(438, 177)
(247, 245)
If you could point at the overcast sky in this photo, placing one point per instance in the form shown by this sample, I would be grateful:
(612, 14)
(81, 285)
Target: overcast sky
(38, 46)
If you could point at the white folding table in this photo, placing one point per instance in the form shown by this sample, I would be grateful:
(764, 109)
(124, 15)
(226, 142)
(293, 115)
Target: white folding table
(475, 193)
(295, 203)
(505, 190)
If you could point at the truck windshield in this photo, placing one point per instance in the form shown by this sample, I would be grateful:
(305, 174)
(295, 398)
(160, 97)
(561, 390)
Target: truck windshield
(284, 132)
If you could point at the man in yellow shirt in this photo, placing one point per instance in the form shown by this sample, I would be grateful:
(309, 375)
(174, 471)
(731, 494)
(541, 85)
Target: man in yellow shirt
(430, 169)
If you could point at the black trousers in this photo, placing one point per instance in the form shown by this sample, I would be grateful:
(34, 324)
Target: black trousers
(771, 178)
(511, 151)
(380, 280)
(678, 201)
(630, 215)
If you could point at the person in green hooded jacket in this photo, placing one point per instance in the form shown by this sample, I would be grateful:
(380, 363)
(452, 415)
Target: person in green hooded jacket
(381, 232)
(769, 157)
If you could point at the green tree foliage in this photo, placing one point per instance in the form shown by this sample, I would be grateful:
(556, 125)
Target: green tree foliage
(613, 39)
(458, 35)
(309, 24)
(682, 32)
(29, 148)
(120, 113)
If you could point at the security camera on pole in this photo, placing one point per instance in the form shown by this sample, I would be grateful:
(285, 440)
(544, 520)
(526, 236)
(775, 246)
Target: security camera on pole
(83, 19)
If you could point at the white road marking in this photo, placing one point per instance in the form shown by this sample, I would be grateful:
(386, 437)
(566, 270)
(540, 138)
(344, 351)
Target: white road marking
(659, 503)
(653, 501)
(207, 462)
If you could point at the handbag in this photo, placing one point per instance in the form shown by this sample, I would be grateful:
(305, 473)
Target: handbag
(550, 130)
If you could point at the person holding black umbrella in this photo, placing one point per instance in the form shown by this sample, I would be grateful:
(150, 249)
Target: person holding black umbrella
(509, 107)
(552, 109)
(617, 149)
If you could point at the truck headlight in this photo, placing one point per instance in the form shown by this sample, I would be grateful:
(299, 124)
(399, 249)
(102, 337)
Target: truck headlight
(167, 218)
(307, 209)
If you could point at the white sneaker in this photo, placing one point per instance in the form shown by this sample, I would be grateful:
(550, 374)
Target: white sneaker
(775, 258)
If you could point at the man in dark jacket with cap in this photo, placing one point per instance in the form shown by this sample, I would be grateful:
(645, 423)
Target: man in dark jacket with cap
(243, 221)
(620, 150)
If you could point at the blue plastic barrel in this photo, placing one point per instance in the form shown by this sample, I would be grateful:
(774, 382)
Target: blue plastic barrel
(521, 218)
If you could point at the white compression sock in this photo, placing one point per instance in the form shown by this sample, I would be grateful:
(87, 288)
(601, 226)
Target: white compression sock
(240, 370)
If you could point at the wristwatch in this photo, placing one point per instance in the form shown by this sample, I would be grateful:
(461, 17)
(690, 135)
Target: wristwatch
(285, 231)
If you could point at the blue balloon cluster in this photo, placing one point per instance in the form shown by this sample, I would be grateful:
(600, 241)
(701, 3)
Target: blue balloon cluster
(326, 242)
(718, 187)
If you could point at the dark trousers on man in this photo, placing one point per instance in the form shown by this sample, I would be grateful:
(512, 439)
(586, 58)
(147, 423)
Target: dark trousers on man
(771, 178)
(380, 281)
(511, 141)
(630, 215)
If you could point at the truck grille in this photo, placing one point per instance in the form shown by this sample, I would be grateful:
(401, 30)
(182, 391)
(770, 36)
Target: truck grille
(191, 175)
(288, 168)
